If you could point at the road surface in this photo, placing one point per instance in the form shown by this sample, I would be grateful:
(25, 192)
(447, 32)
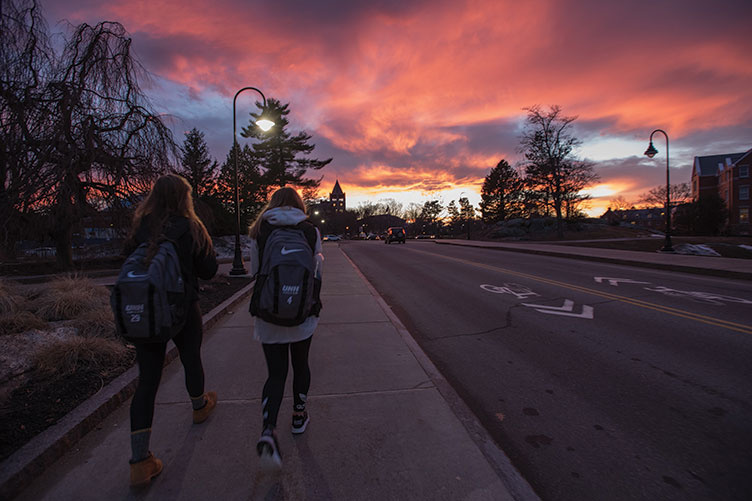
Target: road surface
(599, 381)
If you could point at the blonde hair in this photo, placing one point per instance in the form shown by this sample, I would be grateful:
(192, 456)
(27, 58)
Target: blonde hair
(170, 196)
(283, 197)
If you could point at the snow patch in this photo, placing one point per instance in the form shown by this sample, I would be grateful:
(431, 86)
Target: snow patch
(695, 250)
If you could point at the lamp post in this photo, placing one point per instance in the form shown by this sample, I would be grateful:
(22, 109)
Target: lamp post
(650, 152)
(238, 268)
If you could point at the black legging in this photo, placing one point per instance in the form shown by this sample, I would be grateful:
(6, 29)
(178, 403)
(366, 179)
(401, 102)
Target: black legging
(274, 389)
(150, 358)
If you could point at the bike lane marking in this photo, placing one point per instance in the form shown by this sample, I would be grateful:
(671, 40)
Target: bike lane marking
(718, 322)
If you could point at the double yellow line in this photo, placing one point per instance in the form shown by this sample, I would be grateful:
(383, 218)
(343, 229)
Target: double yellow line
(717, 322)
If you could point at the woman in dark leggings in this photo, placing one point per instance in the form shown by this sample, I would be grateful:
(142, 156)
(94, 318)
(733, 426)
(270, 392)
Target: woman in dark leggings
(167, 213)
(282, 343)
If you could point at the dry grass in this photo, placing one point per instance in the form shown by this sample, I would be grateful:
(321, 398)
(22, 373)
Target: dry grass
(77, 353)
(10, 298)
(20, 321)
(69, 297)
(96, 323)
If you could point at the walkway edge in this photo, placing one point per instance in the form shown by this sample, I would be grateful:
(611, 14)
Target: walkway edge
(518, 487)
(626, 262)
(28, 462)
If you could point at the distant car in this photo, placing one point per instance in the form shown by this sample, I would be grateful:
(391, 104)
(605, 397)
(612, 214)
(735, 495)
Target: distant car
(331, 238)
(395, 234)
(372, 236)
(425, 236)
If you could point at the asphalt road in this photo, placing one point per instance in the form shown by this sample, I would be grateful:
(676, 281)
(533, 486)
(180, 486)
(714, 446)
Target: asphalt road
(599, 381)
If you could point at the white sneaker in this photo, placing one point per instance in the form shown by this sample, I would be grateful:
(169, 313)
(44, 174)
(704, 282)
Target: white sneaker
(268, 451)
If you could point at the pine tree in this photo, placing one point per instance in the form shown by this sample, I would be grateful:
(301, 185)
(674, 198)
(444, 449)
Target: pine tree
(252, 192)
(196, 165)
(280, 154)
(501, 194)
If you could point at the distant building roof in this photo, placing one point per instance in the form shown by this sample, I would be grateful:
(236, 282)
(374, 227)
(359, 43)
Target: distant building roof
(337, 190)
(745, 156)
(708, 166)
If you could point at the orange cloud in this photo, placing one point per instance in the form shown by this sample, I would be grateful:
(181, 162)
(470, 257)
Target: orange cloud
(428, 95)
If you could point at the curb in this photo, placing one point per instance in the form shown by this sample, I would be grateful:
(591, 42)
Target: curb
(28, 462)
(517, 486)
(626, 262)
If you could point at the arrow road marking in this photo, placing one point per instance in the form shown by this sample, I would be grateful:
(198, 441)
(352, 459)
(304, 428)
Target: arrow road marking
(615, 281)
(567, 309)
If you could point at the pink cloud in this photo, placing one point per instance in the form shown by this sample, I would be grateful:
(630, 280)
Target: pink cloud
(399, 90)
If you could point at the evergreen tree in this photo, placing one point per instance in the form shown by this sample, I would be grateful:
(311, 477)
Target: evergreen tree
(455, 220)
(196, 166)
(252, 192)
(501, 194)
(280, 154)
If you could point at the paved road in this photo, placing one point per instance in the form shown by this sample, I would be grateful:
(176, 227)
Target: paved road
(598, 380)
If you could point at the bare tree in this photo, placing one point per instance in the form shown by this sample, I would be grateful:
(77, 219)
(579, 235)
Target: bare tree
(25, 66)
(551, 167)
(105, 140)
(619, 203)
(656, 197)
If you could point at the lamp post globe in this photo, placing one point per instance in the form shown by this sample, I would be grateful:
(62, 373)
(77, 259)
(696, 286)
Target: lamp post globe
(650, 153)
(238, 268)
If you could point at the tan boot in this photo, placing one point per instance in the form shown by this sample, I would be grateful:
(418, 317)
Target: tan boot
(201, 415)
(146, 469)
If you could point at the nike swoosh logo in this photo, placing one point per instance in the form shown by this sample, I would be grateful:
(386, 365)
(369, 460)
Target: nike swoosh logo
(134, 275)
(290, 251)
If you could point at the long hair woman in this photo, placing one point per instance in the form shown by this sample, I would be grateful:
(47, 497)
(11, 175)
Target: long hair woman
(282, 343)
(167, 214)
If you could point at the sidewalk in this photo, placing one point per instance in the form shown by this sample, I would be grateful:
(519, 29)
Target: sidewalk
(384, 423)
(703, 265)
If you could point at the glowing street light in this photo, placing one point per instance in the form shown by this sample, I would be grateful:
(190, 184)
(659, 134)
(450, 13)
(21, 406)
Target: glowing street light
(650, 153)
(238, 268)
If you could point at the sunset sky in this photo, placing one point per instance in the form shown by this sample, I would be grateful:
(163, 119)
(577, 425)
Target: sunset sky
(419, 99)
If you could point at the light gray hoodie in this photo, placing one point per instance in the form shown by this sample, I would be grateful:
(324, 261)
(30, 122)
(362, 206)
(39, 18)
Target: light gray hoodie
(271, 333)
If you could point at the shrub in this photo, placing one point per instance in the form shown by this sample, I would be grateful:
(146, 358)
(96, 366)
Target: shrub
(95, 323)
(21, 321)
(68, 297)
(67, 356)
(10, 299)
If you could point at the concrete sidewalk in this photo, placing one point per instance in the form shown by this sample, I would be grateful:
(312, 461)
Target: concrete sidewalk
(702, 265)
(384, 423)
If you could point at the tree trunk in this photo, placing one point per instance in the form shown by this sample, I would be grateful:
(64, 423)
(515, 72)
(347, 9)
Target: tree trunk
(64, 248)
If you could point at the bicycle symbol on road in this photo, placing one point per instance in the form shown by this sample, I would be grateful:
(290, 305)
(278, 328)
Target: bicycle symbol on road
(517, 290)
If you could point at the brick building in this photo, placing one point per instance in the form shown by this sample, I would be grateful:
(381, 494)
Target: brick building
(729, 176)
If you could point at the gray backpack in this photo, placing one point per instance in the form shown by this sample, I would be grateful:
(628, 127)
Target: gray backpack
(149, 300)
(286, 291)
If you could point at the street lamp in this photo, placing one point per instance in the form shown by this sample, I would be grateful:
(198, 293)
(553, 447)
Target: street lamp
(238, 268)
(651, 152)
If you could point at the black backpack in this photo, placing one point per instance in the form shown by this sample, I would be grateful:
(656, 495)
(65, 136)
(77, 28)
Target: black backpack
(286, 291)
(149, 300)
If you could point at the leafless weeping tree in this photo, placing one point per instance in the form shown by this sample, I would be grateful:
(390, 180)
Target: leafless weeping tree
(95, 141)
(108, 143)
(25, 68)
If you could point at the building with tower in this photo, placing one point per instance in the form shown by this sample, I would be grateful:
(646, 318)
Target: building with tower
(337, 198)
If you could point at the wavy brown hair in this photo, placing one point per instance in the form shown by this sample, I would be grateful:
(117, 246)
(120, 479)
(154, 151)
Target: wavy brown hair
(170, 196)
(283, 197)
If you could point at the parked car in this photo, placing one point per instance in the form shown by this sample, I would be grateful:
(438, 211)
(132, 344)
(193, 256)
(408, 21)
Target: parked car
(425, 236)
(331, 238)
(373, 236)
(395, 234)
